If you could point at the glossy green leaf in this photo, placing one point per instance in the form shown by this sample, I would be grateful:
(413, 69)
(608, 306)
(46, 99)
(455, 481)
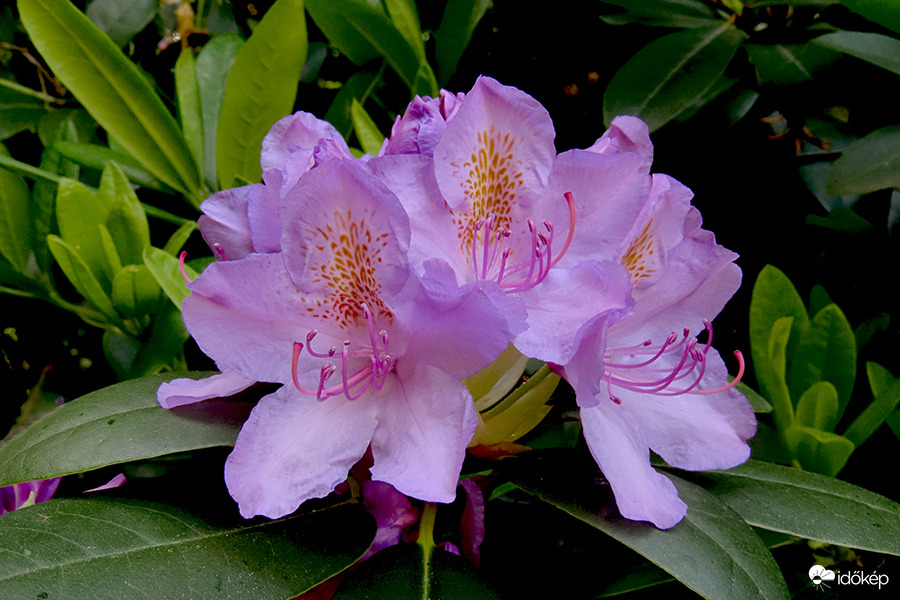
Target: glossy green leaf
(18, 111)
(886, 399)
(109, 85)
(662, 13)
(867, 165)
(358, 88)
(640, 578)
(363, 32)
(164, 349)
(878, 49)
(826, 352)
(883, 12)
(121, 21)
(455, 32)
(425, 82)
(44, 192)
(127, 222)
(787, 64)
(370, 138)
(97, 157)
(759, 404)
(405, 18)
(712, 551)
(818, 406)
(774, 296)
(127, 549)
(261, 88)
(821, 452)
(808, 505)
(135, 291)
(190, 113)
(409, 572)
(178, 239)
(167, 272)
(82, 277)
(117, 424)
(79, 213)
(112, 262)
(213, 65)
(772, 377)
(15, 218)
(666, 76)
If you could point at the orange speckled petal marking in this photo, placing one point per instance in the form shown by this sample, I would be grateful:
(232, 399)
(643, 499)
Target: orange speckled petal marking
(643, 258)
(345, 244)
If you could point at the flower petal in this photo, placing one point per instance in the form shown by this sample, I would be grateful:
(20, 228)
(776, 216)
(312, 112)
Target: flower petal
(620, 448)
(496, 150)
(225, 221)
(179, 392)
(627, 134)
(425, 420)
(293, 448)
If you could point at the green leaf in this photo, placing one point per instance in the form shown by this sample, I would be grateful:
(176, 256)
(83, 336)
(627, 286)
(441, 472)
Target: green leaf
(712, 551)
(455, 32)
(261, 88)
(774, 297)
(882, 12)
(363, 32)
(121, 21)
(213, 65)
(867, 165)
(662, 13)
(358, 88)
(772, 378)
(180, 237)
(818, 406)
(878, 49)
(15, 218)
(788, 64)
(118, 424)
(666, 76)
(808, 505)
(135, 291)
(112, 262)
(370, 138)
(841, 219)
(109, 85)
(81, 276)
(127, 222)
(97, 157)
(406, 19)
(165, 346)
(759, 404)
(821, 452)
(18, 111)
(187, 89)
(128, 548)
(79, 213)
(167, 272)
(409, 572)
(886, 400)
(826, 352)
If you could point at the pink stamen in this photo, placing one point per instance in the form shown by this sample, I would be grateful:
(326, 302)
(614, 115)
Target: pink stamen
(184, 274)
(219, 250)
(352, 384)
(692, 364)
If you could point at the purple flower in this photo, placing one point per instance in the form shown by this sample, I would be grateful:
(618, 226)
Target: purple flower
(19, 495)
(369, 353)
(604, 257)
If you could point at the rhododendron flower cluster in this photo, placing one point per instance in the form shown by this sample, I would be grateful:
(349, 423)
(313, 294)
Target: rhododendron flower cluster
(369, 288)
